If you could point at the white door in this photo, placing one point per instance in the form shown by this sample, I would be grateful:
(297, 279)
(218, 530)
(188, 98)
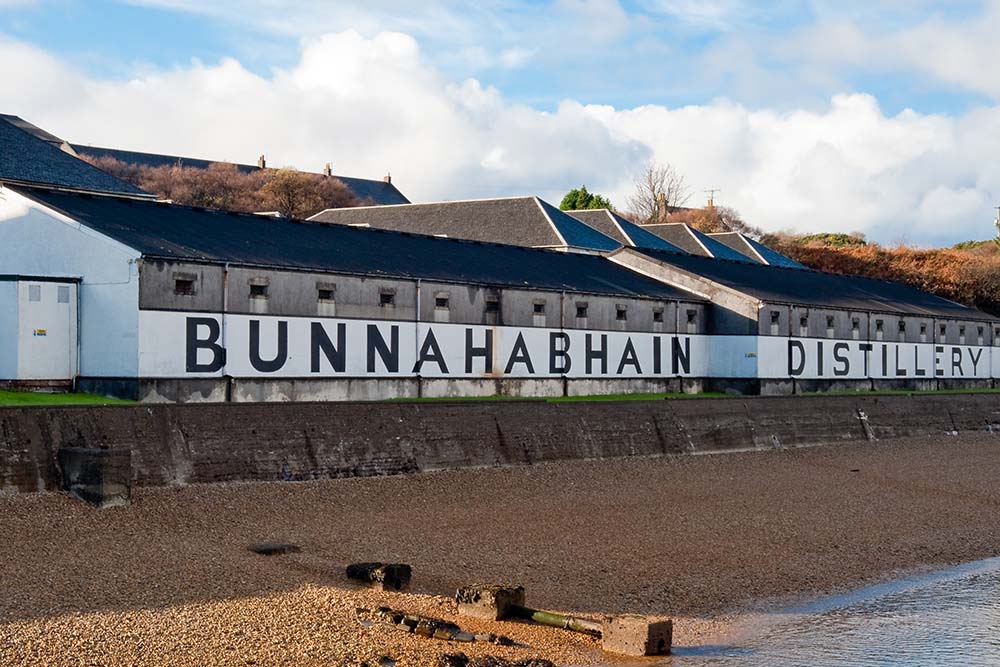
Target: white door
(46, 342)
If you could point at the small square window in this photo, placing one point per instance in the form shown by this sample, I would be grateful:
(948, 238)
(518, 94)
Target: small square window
(855, 324)
(658, 315)
(539, 309)
(902, 327)
(692, 316)
(440, 302)
(621, 313)
(492, 306)
(64, 294)
(581, 311)
(324, 294)
(829, 321)
(258, 291)
(944, 331)
(923, 329)
(803, 322)
(185, 286)
(386, 299)
(35, 293)
(878, 325)
(775, 317)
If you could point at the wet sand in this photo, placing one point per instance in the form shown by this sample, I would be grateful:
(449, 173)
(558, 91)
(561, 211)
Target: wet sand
(169, 581)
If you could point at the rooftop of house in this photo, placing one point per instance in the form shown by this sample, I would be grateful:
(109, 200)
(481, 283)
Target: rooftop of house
(754, 250)
(380, 191)
(527, 221)
(184, 233)
(802, 286)
(625, 232)
(30, 155)
(692, 241)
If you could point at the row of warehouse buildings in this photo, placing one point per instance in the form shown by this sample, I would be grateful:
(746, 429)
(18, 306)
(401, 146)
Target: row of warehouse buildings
(108, 289)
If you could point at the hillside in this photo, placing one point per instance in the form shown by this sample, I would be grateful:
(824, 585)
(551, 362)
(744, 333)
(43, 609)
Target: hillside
(968, 273)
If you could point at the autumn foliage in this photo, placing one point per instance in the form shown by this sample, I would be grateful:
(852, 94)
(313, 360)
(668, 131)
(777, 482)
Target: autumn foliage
(222, 185)
(970, 276)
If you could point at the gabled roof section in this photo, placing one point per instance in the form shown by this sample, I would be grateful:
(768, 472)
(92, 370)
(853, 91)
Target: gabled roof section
(526, 221)
(30, 155)
(691, 240)
(780, 284)
(367, 190)
(625, 232)
(753, 250)
(163, 230)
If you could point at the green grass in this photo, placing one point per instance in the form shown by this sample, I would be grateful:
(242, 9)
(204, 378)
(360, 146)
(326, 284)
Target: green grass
(30, 398)
(560, 399)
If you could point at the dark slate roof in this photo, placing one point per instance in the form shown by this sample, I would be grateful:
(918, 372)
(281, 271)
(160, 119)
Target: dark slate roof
(526, 221)
(691, 240)
(163, 230)
(625, 232)
(779, 284)
(31, 155)
(365, 189)
(753, 250)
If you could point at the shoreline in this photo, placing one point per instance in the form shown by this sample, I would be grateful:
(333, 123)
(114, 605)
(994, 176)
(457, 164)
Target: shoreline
(708, 541)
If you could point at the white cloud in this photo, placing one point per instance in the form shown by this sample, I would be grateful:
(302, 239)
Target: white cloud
(374, 104)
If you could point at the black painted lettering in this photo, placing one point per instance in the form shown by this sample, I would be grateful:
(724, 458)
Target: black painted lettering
(486, 352)
(387, 353)
(559, 361)
(600, 353)
(210, 343)
(819, 358)
(885, 361)
(657, 351)
(916, 362)
(938, 351)
(280, 357)
(520, 355)
(866, 348)
(320, 343)
(680, 357)
(430, 351)
(900, 372)
(956, 362)
(796, 368)
(841, 362)
(629, 358)
(975, 356)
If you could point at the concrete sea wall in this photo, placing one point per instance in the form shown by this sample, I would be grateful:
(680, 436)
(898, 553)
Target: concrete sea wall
(182, 444)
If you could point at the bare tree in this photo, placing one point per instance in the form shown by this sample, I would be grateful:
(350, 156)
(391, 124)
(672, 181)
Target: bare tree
(659, 190)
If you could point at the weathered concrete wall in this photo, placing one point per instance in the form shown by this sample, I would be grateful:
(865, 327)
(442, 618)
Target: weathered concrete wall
(179, 444)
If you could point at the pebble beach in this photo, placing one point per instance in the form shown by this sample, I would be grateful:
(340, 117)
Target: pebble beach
(169, 580)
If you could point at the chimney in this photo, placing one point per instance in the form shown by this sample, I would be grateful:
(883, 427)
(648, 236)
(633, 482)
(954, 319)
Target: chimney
(261, 162)
(328, 170)
(388, 178)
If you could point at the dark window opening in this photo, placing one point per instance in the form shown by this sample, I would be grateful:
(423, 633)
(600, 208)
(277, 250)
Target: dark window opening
(775, 317)
(258, 291)
(878, 325)
(386, 299)
(621, 313)
(657, 315)
(539, 309)
(829, 321)
(184, 286)
(324, 294)
(855, 324)
(492, 306)
(440, 302)
(902, 327)
(923, 329)
(581, 310)
(692, 316)
(944, 331)
(803, 322)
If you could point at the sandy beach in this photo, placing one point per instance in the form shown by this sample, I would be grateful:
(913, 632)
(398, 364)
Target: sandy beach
(169, 580)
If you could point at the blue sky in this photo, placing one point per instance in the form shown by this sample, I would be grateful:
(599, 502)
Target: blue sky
(792, 108)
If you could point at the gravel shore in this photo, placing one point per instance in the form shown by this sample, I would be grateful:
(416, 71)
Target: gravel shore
(169, 580)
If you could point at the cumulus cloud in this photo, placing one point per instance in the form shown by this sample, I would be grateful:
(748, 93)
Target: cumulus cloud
(372, 105)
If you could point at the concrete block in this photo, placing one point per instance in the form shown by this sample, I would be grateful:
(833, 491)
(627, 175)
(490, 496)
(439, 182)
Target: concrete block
(636, 635)
(493, 602)
(382, 576)
(99, 477)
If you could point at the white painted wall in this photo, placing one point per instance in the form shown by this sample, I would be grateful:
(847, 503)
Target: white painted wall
(35, 240)
(8, 329)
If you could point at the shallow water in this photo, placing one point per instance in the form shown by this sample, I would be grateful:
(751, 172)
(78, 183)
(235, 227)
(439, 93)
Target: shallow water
(948, 618)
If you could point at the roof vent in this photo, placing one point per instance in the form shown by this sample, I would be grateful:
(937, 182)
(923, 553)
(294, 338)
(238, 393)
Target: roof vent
(261, 162)
(388, 178)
